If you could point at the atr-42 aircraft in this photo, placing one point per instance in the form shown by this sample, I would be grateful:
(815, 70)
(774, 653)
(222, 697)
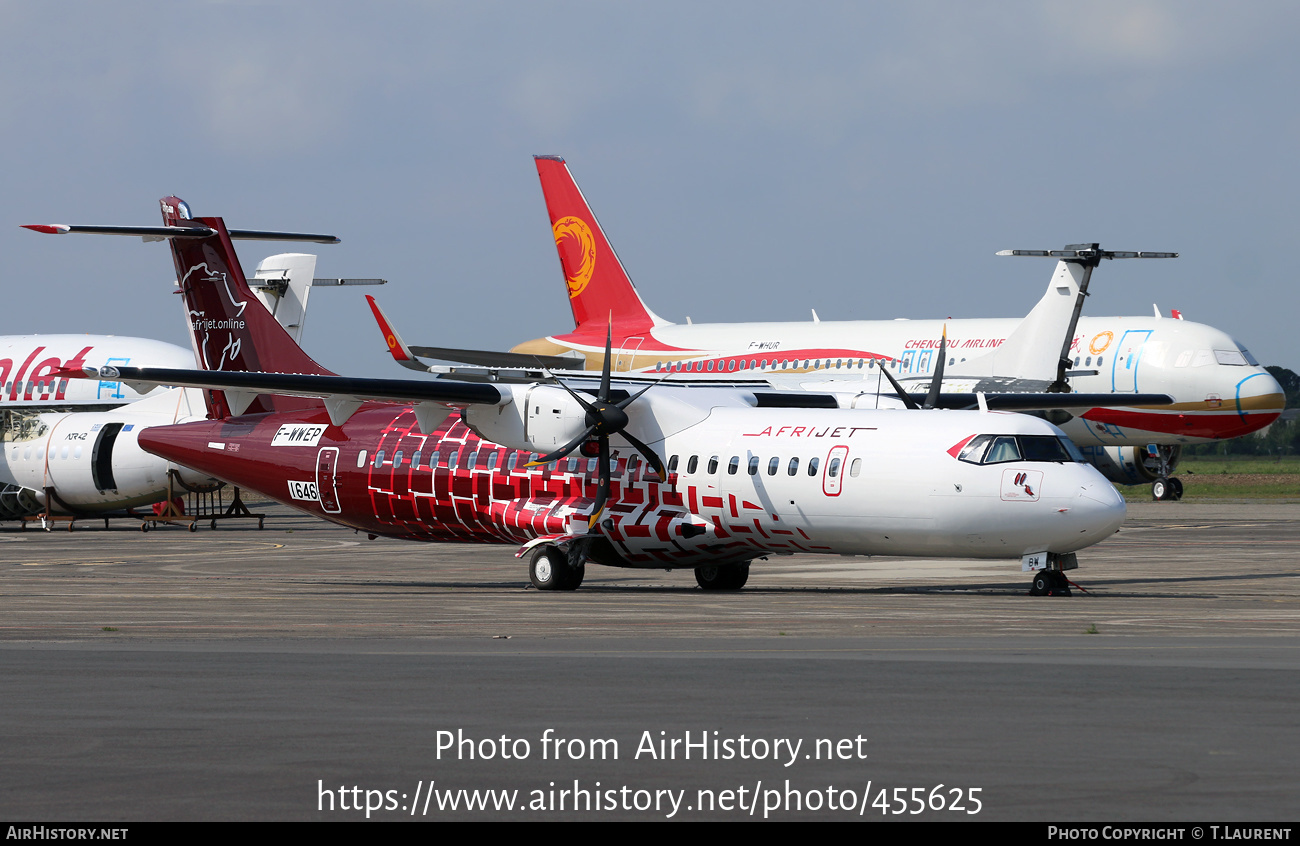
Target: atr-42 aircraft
(1220, 391)
(750, 473)
(69, 446)
(33, 402)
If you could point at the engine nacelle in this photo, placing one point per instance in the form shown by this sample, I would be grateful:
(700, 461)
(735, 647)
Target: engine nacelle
(541, 418)
(1133, 465)
(17, 502)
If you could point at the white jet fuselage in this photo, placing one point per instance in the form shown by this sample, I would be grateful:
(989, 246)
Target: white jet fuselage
(1219, 390)
(27, 363)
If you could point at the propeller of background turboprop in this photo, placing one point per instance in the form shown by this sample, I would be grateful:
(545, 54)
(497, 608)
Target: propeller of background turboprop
(604, 418)
(931, 398)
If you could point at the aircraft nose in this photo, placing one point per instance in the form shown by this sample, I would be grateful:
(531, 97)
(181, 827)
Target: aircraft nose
(1258, 401)
(1099, 511)
(1261, 391)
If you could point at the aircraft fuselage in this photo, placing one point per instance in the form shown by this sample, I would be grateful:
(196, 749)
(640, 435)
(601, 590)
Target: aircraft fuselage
(1219, 390)
(743, 483)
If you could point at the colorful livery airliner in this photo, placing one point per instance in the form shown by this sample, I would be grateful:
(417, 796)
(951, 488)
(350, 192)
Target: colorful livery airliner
(1220, 391)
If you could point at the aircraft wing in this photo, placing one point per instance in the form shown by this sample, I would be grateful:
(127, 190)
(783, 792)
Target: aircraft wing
(407, 355)
(452, 392)
(342, 394)
(493, 358)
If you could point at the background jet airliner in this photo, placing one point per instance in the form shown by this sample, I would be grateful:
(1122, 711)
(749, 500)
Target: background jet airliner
(749, 473)
(1220, 391)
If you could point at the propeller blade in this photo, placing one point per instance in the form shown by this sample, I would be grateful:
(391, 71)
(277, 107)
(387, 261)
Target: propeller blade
(649, 455)
(903, 395)
(591, 409)
(603, 396)
(564, 450)
(631, 399)
(602, 486)
(937, 382)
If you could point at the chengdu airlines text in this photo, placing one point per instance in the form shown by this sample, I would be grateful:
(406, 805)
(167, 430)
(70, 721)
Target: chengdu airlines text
(759, 797)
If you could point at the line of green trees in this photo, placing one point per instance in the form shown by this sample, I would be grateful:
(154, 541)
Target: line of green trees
(1282, 438)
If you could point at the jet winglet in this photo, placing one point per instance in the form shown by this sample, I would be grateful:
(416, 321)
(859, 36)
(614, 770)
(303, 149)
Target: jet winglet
(400, 351)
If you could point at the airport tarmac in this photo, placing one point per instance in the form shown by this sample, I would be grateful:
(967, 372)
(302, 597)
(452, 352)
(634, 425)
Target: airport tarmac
(245, 674)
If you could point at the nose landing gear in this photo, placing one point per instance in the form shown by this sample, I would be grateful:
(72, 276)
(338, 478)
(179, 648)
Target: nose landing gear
(1049, 583)
(1051, 580)
(1161, 460)
(1168, 490)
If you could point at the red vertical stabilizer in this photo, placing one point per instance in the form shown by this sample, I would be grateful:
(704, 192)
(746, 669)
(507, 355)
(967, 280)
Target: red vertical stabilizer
(599, 289)
(230, 329)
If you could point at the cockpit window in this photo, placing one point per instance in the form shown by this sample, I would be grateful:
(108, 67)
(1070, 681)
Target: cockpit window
(973, 452)
(1004, 449)
(1000, 449)
(1250, 358)
(1232, 357)
(1042, 448)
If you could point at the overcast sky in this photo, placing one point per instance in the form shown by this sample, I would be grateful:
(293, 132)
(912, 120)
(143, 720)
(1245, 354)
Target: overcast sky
(749, 161)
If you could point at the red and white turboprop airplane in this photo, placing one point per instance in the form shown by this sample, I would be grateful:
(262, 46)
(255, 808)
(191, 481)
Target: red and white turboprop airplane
(750, 473)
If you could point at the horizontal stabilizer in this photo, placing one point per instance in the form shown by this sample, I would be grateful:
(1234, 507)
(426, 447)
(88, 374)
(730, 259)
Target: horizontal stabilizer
(1082, 253)
(161, 233)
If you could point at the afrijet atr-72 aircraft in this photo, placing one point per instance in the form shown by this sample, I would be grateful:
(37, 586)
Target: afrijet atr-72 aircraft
(751, 473)
(1220, 391)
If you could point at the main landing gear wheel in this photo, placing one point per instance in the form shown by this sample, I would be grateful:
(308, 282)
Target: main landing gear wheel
(1049, 583)
(722, 576)
(549, 569)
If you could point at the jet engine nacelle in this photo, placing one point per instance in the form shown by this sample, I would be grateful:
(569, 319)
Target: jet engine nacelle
(1132, 465)
(540, 418)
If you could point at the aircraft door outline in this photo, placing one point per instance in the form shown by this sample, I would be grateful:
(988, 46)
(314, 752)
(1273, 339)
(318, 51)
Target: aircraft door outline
(327, 462)
(1124, 363)
(625, 358)
(837, 462)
